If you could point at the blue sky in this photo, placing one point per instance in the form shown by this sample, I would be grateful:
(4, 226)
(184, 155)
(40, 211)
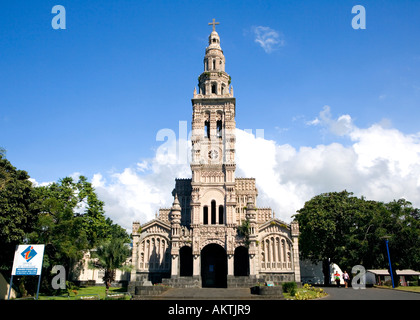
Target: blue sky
(90, 99)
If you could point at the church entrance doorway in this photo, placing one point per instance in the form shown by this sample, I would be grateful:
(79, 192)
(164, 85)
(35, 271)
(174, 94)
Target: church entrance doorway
(213, 266)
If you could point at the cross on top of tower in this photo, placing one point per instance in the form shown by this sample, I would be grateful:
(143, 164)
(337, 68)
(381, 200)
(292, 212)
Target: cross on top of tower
(214, 24)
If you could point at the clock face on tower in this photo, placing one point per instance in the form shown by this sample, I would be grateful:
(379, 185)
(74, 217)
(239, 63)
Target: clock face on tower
(213, 154)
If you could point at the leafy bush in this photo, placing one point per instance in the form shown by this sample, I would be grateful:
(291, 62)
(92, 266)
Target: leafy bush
(289, 287)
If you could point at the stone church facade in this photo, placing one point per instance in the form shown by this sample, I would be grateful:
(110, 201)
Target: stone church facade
(214, 235)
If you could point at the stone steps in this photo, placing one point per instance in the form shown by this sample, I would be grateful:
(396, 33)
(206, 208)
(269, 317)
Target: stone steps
(273, 293)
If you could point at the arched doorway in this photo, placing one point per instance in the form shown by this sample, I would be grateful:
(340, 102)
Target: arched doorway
(186, 262)
(241, 262)
(213, 266)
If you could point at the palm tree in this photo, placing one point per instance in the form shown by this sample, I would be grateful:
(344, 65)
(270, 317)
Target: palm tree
(111, 255)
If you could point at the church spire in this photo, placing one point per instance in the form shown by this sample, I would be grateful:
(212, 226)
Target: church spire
(214, 81)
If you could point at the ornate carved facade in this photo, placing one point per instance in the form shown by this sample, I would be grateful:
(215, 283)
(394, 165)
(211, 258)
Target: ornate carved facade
(198, 238)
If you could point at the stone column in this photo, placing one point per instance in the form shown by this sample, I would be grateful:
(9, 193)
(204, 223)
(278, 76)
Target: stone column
(196, 265)
(295, 250)
(134, 253)
(231, 264)
(252, 266)
(252, 253)
(251, 215)
(196, 251)
(175, 217)
(175, 265)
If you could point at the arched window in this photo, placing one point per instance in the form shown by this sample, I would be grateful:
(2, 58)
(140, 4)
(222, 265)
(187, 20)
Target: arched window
(214, 61)
(205, 215)
(221, 214)
(213, 212)
(207, 129)
(283, 249)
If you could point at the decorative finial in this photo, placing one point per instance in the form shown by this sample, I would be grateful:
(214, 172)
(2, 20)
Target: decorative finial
(214, 24)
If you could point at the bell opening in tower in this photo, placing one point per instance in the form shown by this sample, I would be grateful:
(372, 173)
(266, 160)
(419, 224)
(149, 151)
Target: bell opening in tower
(213, 212)
(214, 88)
(219, 128)
(207, 129)
(206, 215)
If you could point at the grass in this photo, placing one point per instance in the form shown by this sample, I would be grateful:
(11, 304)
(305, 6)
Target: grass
(409, 289)
(74, 294)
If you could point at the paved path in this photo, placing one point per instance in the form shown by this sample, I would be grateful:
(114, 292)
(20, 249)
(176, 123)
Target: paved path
(245, 294)
(368, 294)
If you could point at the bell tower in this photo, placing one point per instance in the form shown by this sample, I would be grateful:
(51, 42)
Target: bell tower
(213, 141)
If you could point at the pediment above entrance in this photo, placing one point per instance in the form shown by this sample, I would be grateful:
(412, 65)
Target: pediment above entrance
(275, 226)
(156, 227)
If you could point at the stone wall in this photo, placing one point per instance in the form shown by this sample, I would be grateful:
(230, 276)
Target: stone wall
(183, 282)
(242, 281)
(138, 289)
(154, 277)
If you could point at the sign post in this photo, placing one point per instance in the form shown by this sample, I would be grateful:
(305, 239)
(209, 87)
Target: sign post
(389, 261)
(28, 262)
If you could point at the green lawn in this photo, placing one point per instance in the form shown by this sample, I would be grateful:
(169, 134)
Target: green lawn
(85, 293)
(410, 288)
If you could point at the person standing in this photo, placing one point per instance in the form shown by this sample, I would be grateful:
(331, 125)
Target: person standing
(337, 278)
(346, 278)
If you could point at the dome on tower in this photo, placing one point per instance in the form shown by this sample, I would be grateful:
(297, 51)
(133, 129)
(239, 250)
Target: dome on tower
(214, 41)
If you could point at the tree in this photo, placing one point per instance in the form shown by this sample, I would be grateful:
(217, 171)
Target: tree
(58, 228)
(93, 213)
(338, 227)
(71, 220)
(66, 216)
(403, 228)
(17, 213)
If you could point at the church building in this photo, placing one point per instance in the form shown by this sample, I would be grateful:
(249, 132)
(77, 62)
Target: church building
(214, 235)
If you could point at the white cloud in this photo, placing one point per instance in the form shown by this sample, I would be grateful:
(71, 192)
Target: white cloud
(381, 163)
(40, 184)
(268, 38)
(340, 127)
